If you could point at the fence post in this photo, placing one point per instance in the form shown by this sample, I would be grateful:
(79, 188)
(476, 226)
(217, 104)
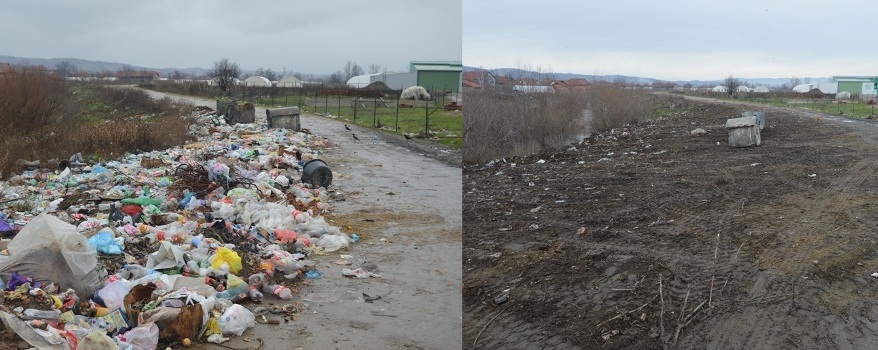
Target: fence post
(374, 112)
(326, 104)
(397, 113)
(426, 116)
(339, 104)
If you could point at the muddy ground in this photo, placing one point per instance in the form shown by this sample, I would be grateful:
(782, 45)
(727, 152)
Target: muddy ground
(403, 198)
(661, 239)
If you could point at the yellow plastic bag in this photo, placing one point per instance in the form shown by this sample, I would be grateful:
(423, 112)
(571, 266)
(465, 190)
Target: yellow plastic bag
(212, 327)
(227, 256)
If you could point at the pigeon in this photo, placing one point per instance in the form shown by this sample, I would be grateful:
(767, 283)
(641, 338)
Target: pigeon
(355, 137)
(407, 136)
(347, 127)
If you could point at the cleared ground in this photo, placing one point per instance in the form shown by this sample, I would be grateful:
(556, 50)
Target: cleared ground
(650, 237)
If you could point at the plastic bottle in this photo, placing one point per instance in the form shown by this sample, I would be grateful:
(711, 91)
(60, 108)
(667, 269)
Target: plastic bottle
(279, 290)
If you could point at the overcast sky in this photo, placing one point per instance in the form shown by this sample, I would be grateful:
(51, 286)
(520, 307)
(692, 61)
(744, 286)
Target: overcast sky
(302, 36)
(674, 40)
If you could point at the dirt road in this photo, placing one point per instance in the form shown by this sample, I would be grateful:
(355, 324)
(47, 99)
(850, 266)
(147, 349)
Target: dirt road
(405, 200)
(661, 239)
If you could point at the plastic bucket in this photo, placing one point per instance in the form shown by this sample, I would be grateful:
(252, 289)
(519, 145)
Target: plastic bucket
(315, 172)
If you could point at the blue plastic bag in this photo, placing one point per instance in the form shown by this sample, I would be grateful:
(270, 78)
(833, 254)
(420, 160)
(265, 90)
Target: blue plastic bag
(105, 243)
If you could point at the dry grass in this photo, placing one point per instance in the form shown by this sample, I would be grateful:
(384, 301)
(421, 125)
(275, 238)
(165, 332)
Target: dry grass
(46, 119)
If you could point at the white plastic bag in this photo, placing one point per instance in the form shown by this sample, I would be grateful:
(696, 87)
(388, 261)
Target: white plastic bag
(236, 320)
(143, 337)
(113, 294)
(331, 243)
(48, 231)
(97, 340)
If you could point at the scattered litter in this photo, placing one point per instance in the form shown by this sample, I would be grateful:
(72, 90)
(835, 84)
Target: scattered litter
(358, 273)
(161, 247)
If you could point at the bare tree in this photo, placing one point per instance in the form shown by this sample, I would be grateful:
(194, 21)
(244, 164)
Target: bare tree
(374, 68)
(224, 73)
(267, 73)
(270, 75)
(731, 83)
(337, 78)
(352, 69)
(177, 74)
(65, 68)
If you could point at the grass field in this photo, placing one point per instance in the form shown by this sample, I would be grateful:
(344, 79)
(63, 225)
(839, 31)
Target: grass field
(445, 126)
(852, 108)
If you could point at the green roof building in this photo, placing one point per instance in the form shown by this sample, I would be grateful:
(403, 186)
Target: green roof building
(857, 85)
(438, 75)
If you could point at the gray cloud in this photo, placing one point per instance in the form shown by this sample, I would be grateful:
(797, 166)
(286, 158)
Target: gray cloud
(304, 36)
(673, 39)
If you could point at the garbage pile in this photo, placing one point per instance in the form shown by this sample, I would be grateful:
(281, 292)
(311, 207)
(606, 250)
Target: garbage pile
(163, 246)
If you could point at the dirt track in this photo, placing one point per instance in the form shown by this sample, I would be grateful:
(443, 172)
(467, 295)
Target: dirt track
(767, 247)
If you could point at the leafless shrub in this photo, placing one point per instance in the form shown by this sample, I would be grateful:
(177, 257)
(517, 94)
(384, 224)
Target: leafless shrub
(612, 106)
(42, 119)
(31, 98)
(500, 124)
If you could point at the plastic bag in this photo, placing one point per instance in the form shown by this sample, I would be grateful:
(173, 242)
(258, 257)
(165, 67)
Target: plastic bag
(143, 337)
(35, 337)
(236, 320)
(97, 340)
(48, 231)
(48, 265)
(358, 273)
(114, 293)
(229, 257)
(105, 243)
(331, 243)
(168, 256)
(285, 236)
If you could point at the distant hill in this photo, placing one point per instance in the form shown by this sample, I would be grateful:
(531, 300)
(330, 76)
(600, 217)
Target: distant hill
(95, 66)
(770, 82)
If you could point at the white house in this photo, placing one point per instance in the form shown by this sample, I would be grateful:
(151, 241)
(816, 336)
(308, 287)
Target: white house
(720, 88)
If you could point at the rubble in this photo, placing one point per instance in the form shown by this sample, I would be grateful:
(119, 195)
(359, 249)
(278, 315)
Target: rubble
(165, 246)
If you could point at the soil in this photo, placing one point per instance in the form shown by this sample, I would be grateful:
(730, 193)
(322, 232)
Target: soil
(650, 237)
(403, 198)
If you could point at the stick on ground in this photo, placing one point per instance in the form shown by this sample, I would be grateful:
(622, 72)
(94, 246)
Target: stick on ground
(488, 324)
(662, 315)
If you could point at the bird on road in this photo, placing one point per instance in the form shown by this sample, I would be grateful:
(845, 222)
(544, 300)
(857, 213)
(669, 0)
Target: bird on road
(355, 137)
(347, 128)
(407, 136)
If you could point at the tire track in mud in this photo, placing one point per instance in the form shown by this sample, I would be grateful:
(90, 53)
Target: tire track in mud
(772, 219)
(823, 239)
